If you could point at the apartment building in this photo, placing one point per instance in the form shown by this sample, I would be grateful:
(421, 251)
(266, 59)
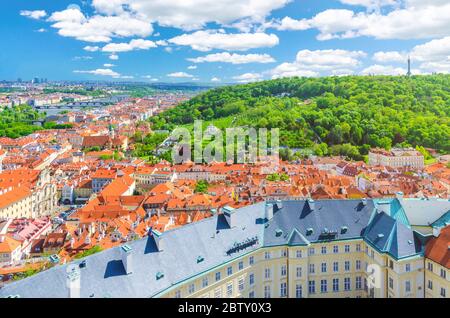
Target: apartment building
(287, 249)
(396, 157)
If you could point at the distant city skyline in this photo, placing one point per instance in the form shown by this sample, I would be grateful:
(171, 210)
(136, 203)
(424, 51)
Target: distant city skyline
(221, 41)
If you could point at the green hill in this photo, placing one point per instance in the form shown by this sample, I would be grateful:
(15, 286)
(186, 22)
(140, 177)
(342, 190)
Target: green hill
(346, 115)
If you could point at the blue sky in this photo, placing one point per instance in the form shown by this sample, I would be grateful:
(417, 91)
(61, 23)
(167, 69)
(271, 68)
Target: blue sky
(221, 41)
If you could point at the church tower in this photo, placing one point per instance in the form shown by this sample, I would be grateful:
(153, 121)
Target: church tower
(409, 67)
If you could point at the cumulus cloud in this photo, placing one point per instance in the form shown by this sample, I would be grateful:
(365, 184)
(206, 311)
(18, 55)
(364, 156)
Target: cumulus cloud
(108, 65)
(98, 28)
(233, 58)
(414, 20)
(191, 14)
(433, 56)
(91, 48)
(36, 14)
(114, 57)
(180, 75)
(136, 44)
(208, 40)
(390, 56)
(320, 62)
(378, 69)
(248, 77)
(100, 71)
(192, 67)
(215, 79)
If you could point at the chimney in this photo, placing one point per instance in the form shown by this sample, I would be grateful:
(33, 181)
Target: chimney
(312, 204)
(279, 205)
(384, 206)
(73, 281)
(269, 211)
(125, 251)
(157, 236)
(436, 231)
(364, 201)
(399, 195)
(230, 216)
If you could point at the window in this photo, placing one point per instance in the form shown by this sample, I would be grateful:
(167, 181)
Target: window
(298, 291)
(191, 288)
(347, 283)
(299, 272)
(298, 254)
(335, 267)
(407, 267)
(391, 283)
(323, 286)
(241, 284)
(335, 249)
(443, 273)
(251, 279)
(430, 266)
(267, 273)
(267, 255)
(324, 250)
(372, 254)
(229, 289)
(312, 286)
(358, 282)
(218, 293)
(283, 289)
(391, 264)
(443, 292)
(311, 268)
(347, 248)
(217, 276)
(251, 260)
(335, 284)
(408, 286)
(430, 284)
(283, 253)
(241, 265)
(358, 264)
(324, 267)
(204, 282)
(347, 266)
(251, 294)
(311, 251)
(367, 250)
(178, 294)
(358, 247)
(229, 270)
(266, 291)
(283, 270)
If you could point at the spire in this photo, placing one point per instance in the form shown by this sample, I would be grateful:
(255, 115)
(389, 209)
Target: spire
(409, 67)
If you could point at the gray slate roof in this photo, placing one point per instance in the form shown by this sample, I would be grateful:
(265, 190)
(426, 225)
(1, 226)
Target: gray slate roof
(104, 275)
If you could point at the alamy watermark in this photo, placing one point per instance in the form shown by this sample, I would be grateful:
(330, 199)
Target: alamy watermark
(239, 145)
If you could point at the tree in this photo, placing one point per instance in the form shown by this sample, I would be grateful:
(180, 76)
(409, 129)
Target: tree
(201, 186)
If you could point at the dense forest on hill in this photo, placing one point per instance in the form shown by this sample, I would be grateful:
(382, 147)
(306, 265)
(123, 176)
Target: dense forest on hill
(338, 115)
(18, 121)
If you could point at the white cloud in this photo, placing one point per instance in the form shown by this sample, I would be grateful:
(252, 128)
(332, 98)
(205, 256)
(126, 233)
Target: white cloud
(208, 40)
(100, 71)
(434, 55)
(192, 67)
(248, 77)
(320, 62)
(36, 14)
(180, 75)
(109, 65)
(371, 4)
(390, 56)
(73, 23)
(383, 70)
(82, 58)
(41, 30)
(233, 58)
(413, 20)
(114, 57)
(136, 44)
(191, 14)
(215, 79)
(91, 48)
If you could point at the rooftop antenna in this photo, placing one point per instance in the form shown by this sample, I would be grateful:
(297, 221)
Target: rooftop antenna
(409, 67)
